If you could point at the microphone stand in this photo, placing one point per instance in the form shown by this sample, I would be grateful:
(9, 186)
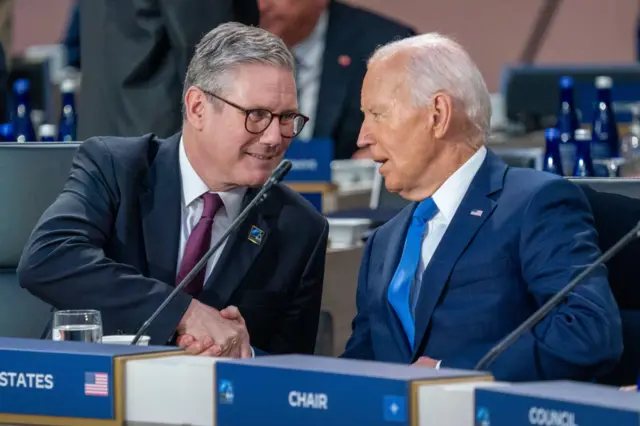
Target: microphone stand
(558, 298)
(277, 176)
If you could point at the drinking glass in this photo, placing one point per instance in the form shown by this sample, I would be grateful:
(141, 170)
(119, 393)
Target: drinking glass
(77, 326)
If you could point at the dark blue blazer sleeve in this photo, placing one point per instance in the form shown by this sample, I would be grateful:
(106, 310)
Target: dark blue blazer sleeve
(581, 338)
(64, 263)
(359, 345)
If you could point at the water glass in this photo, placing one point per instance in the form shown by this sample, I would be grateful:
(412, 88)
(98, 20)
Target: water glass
(77, 326)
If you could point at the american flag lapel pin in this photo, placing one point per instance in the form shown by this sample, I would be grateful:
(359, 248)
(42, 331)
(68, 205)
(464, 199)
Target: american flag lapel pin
(476, 212)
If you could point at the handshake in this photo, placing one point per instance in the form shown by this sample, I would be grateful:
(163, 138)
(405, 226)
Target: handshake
(204, 330)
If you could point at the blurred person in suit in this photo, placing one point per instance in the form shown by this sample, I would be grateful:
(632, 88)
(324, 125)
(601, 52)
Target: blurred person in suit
(482, 245)
(138, 213)
(6, 28)
(4, 77)
(134, 56)
(71, 39)
(331, 42)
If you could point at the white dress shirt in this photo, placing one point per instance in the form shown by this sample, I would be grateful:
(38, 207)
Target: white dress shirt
(447, 198)
(310, 54)
(192, 205)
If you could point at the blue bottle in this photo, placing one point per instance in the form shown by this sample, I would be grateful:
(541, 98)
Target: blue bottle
(47, 133)
(567, 123)
(605, 139)
(6, 133)
(23, 130)
(584, 164)
(552, 162)
(68, 117)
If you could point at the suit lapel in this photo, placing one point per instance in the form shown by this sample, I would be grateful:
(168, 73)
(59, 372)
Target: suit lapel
(160, 211)
(395, 245)
(337, 71)
(474, 210)
(240, 252)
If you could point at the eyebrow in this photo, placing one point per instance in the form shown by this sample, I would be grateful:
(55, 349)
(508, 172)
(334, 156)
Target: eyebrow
(286, 111)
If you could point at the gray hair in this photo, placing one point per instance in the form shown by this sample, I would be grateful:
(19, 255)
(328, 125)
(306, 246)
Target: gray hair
(439, 64)
(229, 46)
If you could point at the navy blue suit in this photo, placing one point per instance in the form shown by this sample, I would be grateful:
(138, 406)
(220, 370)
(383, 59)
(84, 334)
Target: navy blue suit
(356, 34)
(110, 242)
(488, 274)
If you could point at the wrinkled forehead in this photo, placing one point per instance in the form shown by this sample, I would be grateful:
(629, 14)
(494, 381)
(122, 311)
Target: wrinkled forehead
(386, 82)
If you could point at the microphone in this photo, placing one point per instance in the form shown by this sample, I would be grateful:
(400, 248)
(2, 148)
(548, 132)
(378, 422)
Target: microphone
(530, 322)
(276, 177)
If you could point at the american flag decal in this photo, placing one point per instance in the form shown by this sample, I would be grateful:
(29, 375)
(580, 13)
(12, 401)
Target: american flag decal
(476, 213)
(96, 384)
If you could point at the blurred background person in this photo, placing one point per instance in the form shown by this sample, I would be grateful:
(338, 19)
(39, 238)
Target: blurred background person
(134, 58)
(331, 42)
(71, 40)
(6, 18)
(6, 26)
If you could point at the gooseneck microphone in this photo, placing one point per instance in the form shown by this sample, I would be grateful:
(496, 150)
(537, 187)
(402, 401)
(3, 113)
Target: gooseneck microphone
(537, 316)
(276, 177)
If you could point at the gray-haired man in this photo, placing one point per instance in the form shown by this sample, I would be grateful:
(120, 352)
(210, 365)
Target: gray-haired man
(138, 213)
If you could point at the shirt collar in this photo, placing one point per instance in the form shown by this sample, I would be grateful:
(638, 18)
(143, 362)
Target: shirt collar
(193, 186)
(449, 196)
(304, 51)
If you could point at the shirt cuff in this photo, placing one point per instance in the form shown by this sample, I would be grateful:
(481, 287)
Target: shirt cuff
(437, 365)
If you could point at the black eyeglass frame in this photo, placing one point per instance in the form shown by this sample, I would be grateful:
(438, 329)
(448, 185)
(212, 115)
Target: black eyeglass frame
(272, 114)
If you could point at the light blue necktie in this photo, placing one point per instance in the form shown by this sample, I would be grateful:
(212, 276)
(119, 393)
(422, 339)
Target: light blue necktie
(400, 286)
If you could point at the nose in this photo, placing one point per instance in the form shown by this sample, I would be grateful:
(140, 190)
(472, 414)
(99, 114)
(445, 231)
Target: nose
(272, 135)
(364, 138)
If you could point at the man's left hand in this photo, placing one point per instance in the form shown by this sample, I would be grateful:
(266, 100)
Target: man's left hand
(187, 341)
(425, 361)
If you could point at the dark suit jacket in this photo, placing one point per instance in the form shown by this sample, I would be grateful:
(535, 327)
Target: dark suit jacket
(4, 89)
(135, 54)
(355, 33)
(110, 242)
(614, 216)
(71, 39)
(535, 232)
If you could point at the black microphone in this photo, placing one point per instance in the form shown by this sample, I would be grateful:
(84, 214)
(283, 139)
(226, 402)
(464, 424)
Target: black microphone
(276, 177)
(530, 322)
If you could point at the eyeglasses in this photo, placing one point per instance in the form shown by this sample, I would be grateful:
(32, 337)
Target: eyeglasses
(258, 120)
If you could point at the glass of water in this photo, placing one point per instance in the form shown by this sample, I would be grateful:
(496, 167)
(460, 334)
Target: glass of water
(77, 326)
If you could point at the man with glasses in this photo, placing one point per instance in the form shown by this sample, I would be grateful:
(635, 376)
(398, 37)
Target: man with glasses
(138, 213)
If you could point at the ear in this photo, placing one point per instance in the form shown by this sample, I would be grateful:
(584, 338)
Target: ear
(443, 114)
(195, 102)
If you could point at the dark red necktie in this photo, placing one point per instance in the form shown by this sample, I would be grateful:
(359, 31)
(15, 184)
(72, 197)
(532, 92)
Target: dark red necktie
(198, 243)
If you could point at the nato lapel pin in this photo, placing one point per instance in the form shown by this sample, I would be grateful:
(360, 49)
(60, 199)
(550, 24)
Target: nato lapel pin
(256, 235)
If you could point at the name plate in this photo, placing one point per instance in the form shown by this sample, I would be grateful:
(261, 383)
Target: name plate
(559, 403)
(317, 391)
(47, 382)
(311, 160)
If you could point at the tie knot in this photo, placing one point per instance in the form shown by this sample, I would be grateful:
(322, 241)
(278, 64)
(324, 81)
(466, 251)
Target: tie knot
(212, 203)
(425, 210)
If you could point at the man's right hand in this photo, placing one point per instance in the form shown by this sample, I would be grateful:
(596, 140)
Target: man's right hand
(214, 335)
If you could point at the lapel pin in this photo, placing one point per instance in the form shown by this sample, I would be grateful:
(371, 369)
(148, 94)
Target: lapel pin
(344, 60)
(476, 213)
(256, 235)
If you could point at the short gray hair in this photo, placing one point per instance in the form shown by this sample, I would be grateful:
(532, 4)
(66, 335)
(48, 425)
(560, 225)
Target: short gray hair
(438, 63)
(228, 46)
